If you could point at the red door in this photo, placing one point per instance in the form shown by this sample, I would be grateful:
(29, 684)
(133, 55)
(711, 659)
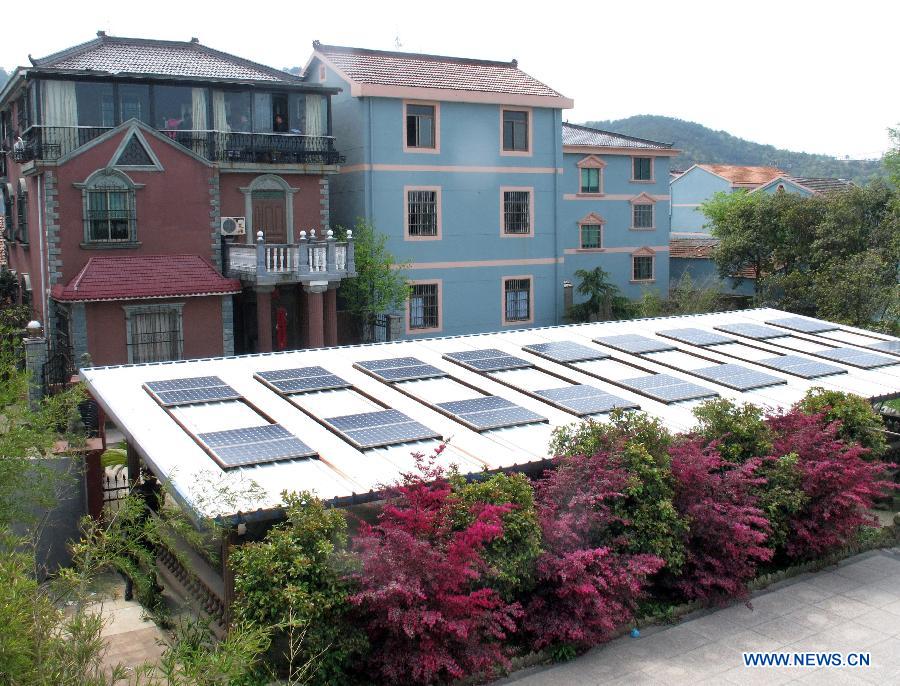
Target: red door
(269, 215)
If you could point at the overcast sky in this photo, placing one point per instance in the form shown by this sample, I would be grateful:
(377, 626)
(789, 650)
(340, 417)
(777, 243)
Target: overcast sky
(803, 75)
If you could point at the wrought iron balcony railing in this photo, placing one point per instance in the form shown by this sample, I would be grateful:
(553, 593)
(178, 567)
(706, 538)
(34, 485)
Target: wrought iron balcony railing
(50, 143)
(312, 259)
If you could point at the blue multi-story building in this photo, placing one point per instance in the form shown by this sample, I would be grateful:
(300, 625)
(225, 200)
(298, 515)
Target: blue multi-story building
(466, 166)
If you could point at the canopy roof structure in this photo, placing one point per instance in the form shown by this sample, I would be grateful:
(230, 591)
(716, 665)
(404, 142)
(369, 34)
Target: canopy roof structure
(228, 435)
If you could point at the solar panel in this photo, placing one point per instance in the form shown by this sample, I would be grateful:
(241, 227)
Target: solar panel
(303, 380)
(255, 445)
(801, 366)
(583, 399)
(803, 325)
(198, 389)
(858, 358)
(488, 360)
(490, 412)
(737, 377)
(380, 428)
(756, 331)
(632, 343)
(668, 389)
(886, 346)
(694, 336)
(401, 369)
(565, 351)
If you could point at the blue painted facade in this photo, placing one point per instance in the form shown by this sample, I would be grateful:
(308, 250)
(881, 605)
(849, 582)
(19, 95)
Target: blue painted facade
(787, 185)
(689, 191)
(472, 258)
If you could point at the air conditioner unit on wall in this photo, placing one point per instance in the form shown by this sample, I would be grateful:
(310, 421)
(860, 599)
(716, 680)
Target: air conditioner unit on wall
(233, 226)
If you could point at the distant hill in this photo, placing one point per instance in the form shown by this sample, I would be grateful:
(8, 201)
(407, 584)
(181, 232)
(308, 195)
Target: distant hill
(701, 144)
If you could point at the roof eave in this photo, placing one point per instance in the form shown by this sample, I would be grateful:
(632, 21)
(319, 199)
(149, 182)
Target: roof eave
(373, 90)
(18, 76)
(612, 150)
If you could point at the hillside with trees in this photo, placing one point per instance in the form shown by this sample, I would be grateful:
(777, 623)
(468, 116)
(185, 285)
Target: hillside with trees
(701, 144)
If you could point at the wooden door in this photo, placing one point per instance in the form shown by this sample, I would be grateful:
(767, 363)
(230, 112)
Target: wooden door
(269, 215)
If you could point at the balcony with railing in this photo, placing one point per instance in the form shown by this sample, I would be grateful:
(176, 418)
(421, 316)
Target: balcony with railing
(311, 260)
(50, 143)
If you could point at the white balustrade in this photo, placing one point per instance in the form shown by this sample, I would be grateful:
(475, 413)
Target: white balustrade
(340, 257)
(280, 259)
(318, 258)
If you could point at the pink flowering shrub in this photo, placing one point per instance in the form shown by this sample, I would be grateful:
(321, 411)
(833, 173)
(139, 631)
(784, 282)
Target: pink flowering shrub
(727, 530)
(586, 587)
(421, 595)
(840, 485)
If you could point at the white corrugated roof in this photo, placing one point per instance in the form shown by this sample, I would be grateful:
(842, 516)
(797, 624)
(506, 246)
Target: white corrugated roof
(342, 470)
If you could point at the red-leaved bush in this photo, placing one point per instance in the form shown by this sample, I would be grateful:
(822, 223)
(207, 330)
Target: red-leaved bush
(421, 596)
(727, 531)
(840, 485)
(586, 587)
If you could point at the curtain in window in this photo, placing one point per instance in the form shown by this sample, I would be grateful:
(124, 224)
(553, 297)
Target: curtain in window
(154, 336)
(60, 109)
(198, 109)
(262, 112)
(315, 115)
(516, 305)
(220, 118)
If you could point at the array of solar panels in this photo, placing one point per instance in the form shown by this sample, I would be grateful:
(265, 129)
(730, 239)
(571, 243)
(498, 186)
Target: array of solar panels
(668, 389)
(381, 428)
(886, 346)
(255, 445)
(801, 366)
(697, 337)
(858, 358)
(189, 391)
(804, 325)
(487, 360)
(737, 377)
(303, 380)
(584, 400)
(565, 351)
(489, 412)
(634, 344)
(400, 369)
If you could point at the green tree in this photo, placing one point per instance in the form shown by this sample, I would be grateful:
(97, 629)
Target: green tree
(860, 423)
(603, 301)
(380, 285)
(892, 157)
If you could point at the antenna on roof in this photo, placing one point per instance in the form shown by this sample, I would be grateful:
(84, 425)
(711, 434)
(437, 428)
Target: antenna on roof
(397, 43)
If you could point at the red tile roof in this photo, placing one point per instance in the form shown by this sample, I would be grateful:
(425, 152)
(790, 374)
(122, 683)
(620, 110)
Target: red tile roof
(145, 276)
(701, 249)
(738, 174)
(410, 69)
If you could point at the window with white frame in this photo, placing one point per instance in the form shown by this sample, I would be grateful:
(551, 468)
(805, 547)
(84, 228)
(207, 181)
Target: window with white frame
(642, 168)
(423, 306)
(517, 293)
(642, 215)
(420, 126)
(642, 268)
(590, 180)
(154, 333)
(591, 236)
(515, 131)
(422, 212)
(517, 212)
(109, 210)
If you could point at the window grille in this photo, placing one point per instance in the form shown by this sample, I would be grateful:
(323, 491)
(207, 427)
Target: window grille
(642, 268)
(110, 213)
(591, 236)
(155, 334)
(518, 300)
(422, 213)
(516, 212)
(643, 216)
(423, 306)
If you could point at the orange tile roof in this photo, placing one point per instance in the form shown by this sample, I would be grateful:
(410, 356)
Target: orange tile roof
(738, 174)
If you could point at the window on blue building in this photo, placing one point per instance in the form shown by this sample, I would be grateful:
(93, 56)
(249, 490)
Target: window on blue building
(642, 268)
(642, 168)
(420, 126)
(423, 306)
(517, 212)
(643, 216)
(518, 300)
(515, 130)
(590, 180)
(591, 236)
(422, 212)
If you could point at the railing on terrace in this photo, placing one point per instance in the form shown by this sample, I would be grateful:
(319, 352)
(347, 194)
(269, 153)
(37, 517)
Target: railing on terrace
(312, 259)
(49, 143)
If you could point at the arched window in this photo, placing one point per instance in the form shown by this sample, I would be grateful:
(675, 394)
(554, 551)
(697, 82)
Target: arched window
(109, 208)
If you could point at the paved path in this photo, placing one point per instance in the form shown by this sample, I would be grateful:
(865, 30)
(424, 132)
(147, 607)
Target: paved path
(852, 607)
